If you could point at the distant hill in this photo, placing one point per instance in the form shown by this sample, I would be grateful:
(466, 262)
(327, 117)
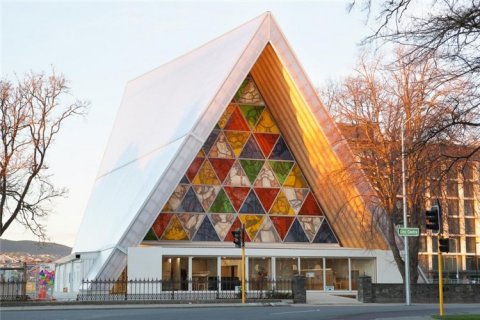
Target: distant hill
(34, 248)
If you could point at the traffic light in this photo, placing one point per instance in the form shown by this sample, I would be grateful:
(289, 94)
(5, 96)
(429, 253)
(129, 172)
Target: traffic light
(237, 237)
(443, 245)
(433, 218)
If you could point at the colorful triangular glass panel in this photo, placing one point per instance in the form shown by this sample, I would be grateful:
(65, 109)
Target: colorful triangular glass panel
(206, 232)
(310, 207)
(281, 206)
(150, 236)
(206, 194)
(281, 169)
(237, 140)
(222, 204)
(210, 141)
(191, 222)
(190, 203)
(280, 151)
(176, 198)
(222, 167)
(251, 168)
(222, 223)
(266, 196)
(237, 195)
(194, 167)
(175, 231)
(206, 175)
(161, 223)
(266, 141)
(251, 150)
(184, 180)
(325, 234)
(266, 178)
(237, 177)
(295, 197)
(237, 122)
(310, 225)
(296, 233)
(252, 223)
(252, 114)
(221, 148)
(282, 224)
(248, 93)
(252, 204)
(267, 233)
(266, 124)
(201, 154)
(226, 115)
(296, 179)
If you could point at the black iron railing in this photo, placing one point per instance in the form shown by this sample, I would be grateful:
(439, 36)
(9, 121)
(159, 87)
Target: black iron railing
(208, 288)
(13, 290)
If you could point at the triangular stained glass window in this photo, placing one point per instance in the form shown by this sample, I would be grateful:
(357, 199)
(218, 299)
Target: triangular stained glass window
(237, 122)
(222, 204)
(325, 234)
(296, 233)
(235, 225)
(206, 232)
(191, 222)
(150, 236)
(252, 204)
(244, 171)
(251, 150)
(237, 195)
(280, 151)
(222, 222)
(267, 233)
(190, 203)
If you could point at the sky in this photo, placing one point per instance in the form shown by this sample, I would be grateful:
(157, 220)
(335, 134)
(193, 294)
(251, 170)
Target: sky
(99, 46)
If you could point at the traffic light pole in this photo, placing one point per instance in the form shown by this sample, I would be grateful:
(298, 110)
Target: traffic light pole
(243, 270)
(440, 278)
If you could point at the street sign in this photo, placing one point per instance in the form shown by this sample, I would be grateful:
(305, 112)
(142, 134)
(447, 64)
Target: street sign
(408, 232)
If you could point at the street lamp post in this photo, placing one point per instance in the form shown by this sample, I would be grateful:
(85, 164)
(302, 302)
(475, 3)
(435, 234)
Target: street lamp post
(404, 196)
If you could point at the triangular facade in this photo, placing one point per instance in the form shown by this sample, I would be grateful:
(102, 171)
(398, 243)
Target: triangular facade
(248, 127)
(238, 112)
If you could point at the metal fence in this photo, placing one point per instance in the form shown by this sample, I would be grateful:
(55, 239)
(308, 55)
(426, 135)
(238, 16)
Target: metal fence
(211, 288)
(13, 290)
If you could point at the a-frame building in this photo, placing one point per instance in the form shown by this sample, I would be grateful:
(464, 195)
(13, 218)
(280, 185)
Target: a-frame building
(231, 132)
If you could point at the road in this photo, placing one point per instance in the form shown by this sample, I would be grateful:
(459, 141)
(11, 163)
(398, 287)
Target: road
(297, 312)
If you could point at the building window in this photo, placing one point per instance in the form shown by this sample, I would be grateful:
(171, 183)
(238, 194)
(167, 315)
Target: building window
(231, 276)
(470, 244)
(423, 244)
(204, 273)
(469, 208)
(453, 226)
(336, 274)
(312, 269)
(174, 273)
(452, 208)
(259, 273)
(468, 190)
(286, 268)
(360, 268)
(452, 188)
(470, 226)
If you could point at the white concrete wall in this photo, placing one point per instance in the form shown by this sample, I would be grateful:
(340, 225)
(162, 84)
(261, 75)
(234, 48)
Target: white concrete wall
(144, 262)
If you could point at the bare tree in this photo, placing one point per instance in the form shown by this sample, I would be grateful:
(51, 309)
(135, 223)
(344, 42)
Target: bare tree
(446, 29)
(32, 112)
(370, 107)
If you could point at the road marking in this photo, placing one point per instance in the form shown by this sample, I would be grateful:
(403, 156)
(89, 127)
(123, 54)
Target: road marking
(304, 311)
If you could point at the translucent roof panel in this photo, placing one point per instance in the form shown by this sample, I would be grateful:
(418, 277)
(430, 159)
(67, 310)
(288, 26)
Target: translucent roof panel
(165, 103)
(117, 198)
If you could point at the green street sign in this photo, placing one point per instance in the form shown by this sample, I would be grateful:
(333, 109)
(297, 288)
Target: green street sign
(408, 232)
